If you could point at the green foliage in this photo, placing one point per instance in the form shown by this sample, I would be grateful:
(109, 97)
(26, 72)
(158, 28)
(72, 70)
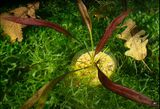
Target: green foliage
(44, 54)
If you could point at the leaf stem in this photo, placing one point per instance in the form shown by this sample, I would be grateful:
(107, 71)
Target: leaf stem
(92, 46)
(91, 38)
(147, 66)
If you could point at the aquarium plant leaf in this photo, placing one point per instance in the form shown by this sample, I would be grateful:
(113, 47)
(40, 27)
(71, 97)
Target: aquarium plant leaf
(14, 30)
(109, 30)
(124, 91)
(38, 22)
(41, 101)
(84, 14)
(42, 93)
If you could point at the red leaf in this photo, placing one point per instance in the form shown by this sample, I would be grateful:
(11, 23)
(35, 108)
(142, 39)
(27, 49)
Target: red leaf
(42, 92)
(125, 92)
(109, 30)
(41, 95)
(85, 15)
(37, 22)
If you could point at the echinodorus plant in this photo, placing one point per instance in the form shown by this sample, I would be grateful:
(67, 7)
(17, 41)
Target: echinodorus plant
(98, 63)
(104, 78)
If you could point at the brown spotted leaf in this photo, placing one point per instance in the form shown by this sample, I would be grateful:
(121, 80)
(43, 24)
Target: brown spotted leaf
(109, 30)
(137, 46)
(84, 14)
(124, 91)
(136, 40)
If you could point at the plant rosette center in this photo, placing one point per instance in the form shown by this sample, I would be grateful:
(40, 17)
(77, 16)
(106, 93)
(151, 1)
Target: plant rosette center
(89, 73)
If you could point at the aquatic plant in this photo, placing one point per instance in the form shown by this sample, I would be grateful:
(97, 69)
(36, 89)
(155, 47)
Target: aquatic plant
(41, 95)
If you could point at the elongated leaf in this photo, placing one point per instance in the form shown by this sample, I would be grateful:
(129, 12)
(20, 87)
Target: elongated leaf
(84, 14)
(41, 101)
(109, 30)
(125, 92)
(37, 22)
(42, 93)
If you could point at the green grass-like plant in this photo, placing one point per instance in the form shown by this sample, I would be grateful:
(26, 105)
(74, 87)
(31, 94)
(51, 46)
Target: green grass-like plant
(41, 95)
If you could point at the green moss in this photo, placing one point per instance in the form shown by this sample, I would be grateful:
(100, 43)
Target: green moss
(45, 54)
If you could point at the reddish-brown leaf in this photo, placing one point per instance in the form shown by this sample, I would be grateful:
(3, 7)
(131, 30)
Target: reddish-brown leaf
(109, 30)
(125, 92)
(84, 14)
(37, 22)
(42, 93)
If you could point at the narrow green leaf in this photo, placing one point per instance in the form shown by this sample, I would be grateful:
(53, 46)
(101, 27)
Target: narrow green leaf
(38, 22)
(125, 92)
(109, 30)
(84, 14)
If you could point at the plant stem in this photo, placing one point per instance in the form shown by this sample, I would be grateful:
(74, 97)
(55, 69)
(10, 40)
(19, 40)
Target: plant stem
(147, 66)
(92, 46)
(91, 38)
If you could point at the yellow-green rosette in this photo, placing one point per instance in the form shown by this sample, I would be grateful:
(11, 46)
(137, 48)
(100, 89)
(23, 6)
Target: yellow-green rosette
(82, 60)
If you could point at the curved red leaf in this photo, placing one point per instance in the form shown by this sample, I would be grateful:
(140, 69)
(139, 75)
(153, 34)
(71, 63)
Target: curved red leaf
(124, 91)
(109, 30)
(85, 15)
(41, 95)
(37, 22)
(43, 92)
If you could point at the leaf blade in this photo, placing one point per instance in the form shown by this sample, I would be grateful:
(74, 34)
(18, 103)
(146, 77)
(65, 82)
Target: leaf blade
(124, 91)
(85, 15)
(109, 30)
(42, 92)
(38, 22)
